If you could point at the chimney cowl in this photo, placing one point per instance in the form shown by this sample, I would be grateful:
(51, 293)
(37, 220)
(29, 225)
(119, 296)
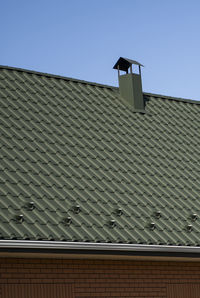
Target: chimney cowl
(130, 84)
(125, 63)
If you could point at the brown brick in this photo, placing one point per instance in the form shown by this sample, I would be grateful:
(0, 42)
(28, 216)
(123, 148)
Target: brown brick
(102, 278)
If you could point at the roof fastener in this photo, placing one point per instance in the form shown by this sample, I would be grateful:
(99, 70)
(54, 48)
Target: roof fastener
(20, 218)
(194, 216)
(77, 209)
(112, 223)
(189, 228)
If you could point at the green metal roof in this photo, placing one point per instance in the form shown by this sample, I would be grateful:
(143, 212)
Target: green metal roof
(76, 164)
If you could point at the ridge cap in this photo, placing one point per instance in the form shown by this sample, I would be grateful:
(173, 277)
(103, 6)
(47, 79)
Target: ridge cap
(55, 76)
(186, 100)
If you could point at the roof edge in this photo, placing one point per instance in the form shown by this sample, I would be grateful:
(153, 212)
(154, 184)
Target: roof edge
(192, 101)
(96, 84)
(89, 246)
(56, 76)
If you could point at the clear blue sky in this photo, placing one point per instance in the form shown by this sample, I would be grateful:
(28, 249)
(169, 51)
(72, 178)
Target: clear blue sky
(84, 38)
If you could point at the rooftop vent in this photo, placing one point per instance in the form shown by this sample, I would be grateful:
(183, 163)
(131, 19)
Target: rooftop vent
(189, 228)
(20, 218)
(194, 216)
(112, 223)
(30, 206)
(158, 214)
(77, 209)
(119, 211)
(67, 220)
(152, 226)
(130, 84)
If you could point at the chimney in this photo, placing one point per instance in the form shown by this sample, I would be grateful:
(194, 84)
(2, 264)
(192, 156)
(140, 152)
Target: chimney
(130, 84)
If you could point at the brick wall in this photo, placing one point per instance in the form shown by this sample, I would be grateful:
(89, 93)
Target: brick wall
(102, 278)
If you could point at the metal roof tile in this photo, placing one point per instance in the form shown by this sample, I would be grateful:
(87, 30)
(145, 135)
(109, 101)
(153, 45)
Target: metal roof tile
(66, 142)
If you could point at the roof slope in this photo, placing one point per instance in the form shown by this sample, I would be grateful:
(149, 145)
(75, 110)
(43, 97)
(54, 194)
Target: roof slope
(76, 151)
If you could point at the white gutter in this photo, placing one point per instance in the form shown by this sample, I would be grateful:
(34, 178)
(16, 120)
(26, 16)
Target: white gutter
(59, 245)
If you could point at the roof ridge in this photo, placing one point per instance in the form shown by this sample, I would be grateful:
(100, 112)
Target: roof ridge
(95, 84)
(56, 76)
(192, 101)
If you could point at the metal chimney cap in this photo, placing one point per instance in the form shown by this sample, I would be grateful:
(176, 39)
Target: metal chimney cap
(125, 63)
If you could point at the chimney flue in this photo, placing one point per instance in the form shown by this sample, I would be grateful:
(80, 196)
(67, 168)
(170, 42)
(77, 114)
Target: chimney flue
(130, 84)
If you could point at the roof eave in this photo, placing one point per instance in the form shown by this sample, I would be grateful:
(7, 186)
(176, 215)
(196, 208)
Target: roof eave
(55, 247)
